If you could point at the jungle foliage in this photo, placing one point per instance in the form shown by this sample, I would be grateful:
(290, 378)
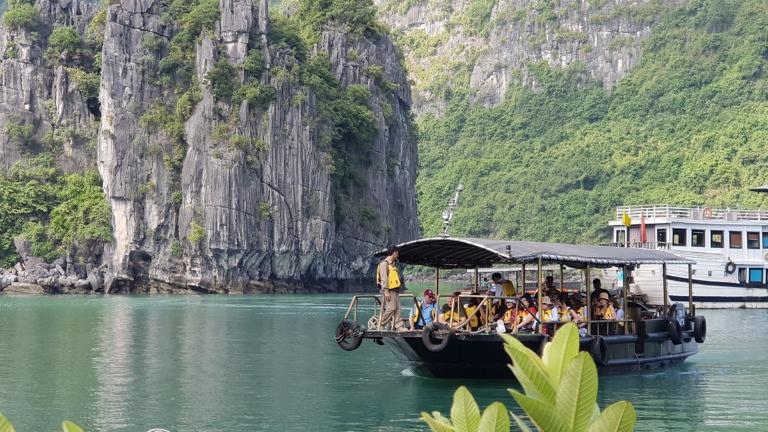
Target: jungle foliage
(687, 126)
(51, 211)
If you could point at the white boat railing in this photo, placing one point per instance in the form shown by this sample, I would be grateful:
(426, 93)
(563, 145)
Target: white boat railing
(639, 245)
(696, 213)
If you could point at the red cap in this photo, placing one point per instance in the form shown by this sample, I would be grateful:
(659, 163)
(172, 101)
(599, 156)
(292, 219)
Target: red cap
(428, 293)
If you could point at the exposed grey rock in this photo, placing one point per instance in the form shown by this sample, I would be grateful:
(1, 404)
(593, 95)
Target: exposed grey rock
(264, 226)
(606, 40)
(23, 288)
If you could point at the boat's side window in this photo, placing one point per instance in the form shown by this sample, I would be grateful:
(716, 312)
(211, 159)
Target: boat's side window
(753, 240)
(734, 239)
(755, 276)
(661, 235)
(716, 239)
(697, 238)
(765, 240)
(742, 275)
(678, 237)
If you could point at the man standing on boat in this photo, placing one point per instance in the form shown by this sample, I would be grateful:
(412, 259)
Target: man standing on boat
(388, 282)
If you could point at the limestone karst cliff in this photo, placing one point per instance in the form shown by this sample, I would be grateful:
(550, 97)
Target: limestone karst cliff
(234, 156)
(487, 45)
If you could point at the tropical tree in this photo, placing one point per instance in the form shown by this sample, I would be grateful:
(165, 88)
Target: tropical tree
(560, 394)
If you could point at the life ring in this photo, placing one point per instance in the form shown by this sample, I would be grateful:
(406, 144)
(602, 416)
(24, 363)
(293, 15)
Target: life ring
(599, 350)
(434, 342)
(707, 213)
(699, 329)
(349, 335)
(730, 267)
(675, 331)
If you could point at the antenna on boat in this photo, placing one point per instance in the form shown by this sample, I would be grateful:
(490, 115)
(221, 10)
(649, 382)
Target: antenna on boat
(448, 213)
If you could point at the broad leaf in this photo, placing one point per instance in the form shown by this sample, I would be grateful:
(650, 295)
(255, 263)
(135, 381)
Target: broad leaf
(542, 414)
(559, 352)
(577, 393)
(619, 417)
(68, 426)
(520, 423)
(494, 419)
(437, 424)
(5, 425)
(465, 414)
(529, 370)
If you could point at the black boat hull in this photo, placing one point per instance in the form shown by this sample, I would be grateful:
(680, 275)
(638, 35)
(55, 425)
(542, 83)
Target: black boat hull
(483, 355)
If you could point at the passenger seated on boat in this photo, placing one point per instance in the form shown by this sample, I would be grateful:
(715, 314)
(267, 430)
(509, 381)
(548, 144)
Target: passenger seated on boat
(424, 312)
(474, 319)
(510, 315)
(547, 316)
(452, 311)
(596, 291)
(503, 286)
(526, 315)
(563, 311)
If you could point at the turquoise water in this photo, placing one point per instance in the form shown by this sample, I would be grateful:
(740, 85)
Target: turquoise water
(269, 363)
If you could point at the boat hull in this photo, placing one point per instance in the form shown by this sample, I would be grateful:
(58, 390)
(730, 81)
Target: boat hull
(483, 355)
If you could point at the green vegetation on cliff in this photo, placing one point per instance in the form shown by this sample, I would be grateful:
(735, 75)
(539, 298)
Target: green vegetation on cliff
(52, 211)
(688, 126)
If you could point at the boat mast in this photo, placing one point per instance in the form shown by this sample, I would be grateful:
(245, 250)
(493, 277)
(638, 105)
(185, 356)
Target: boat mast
(448, 213)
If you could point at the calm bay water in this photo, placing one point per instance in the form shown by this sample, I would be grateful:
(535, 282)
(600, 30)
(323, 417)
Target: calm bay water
(269, 363)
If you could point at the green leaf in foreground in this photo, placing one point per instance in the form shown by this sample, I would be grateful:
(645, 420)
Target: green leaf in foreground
(68, 426)
(5, 425)
(465, 414)
(494, 419)
(619, 417)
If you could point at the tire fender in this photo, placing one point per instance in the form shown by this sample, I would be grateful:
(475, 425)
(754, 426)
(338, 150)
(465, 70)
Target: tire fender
(699, 329)
(599, 350)
(675, 331)
(432, 341)
(349, 335)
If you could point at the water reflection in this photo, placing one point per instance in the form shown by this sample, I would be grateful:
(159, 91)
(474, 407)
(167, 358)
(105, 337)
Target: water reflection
(269, 363)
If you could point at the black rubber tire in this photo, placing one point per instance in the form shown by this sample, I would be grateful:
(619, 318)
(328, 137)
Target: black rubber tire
(699, 329)
(431, 341)
(349, 335)
(730, 267)
(675, 331)
(599, 350)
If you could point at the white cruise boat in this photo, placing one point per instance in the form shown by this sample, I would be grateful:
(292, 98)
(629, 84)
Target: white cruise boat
(730, 247)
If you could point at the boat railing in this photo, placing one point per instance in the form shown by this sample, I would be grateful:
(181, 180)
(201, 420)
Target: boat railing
(639, 245)
(377, 311)
(697, 213)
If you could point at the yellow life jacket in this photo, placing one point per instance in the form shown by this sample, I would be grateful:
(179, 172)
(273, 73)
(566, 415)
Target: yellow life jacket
(509, 316)
(565, 315)
(451, 313)
(610, 313)
(508, 289)
(473, 321)
(393, 278)
(546, 315)
(522, 315)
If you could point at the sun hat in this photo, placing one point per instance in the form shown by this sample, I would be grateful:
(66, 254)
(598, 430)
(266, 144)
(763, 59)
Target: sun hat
(604, 296)
(546, 300)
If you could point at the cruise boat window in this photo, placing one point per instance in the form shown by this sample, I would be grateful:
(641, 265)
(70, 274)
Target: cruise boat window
(661, 236)
(755, 276)
(734, 240)
(753, 240)
(678, 237)
(716, 239)
(765, 240)
(697, 238)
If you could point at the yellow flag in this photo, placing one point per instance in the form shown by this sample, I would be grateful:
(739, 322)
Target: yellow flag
(626, 220)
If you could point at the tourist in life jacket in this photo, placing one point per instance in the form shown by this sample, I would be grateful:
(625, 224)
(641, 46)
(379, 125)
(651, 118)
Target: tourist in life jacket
(562, 310)
(510, 317)
(452, 311)
(388, 282)
(503, 286)
(474, 319)
(604, 310)
(547, 316)
(526, 315)
(424, 312)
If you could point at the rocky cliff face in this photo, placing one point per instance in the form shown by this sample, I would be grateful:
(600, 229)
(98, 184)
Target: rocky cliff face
(487, 45)
(215, 154)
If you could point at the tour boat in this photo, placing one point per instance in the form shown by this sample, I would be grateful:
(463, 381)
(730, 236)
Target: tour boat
(646, 338)
(729, 247)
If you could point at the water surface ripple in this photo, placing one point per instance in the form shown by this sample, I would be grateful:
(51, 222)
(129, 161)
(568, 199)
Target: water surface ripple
(269, 363)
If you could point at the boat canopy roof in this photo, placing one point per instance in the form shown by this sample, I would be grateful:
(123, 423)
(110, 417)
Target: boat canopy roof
(454, 252)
